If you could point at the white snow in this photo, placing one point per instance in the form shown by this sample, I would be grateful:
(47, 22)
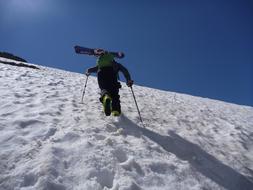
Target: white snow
(50, 141)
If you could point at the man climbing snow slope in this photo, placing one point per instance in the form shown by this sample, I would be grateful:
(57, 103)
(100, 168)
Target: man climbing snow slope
(107, 70)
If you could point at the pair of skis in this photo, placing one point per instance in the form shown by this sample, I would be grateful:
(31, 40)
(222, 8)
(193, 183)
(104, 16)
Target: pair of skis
(96, 52)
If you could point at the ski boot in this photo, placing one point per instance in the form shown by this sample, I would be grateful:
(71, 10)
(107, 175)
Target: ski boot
(115, 113)
(107, 101)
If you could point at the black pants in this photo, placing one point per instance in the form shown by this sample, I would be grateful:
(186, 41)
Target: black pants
(108, 83)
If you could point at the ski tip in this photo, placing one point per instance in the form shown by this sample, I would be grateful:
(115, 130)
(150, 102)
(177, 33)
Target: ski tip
(121, 55)
(77, 49)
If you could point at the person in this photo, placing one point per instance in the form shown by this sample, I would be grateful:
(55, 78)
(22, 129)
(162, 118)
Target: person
(107, 70)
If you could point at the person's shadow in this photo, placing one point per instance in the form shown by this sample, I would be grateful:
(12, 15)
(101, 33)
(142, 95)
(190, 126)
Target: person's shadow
(203, 162)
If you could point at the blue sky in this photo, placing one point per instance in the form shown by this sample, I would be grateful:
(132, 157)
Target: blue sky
(198, 47)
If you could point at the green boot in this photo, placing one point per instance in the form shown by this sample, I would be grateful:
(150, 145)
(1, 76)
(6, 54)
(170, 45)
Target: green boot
(115, 113)
(107, 101)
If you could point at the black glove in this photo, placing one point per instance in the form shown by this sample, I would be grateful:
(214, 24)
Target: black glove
(130, 83)
(87, 73)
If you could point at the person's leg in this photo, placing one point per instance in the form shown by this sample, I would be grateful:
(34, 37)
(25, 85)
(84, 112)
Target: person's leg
(105, 97)
(116, 108)
(106, 100)
(103, 92)
(107, 81)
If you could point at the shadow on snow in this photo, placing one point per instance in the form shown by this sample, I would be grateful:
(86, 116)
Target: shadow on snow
(203, 162)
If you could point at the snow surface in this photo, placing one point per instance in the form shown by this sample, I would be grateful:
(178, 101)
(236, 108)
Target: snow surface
(49, 140)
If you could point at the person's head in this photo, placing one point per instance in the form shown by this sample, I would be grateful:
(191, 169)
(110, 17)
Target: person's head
(100, 52)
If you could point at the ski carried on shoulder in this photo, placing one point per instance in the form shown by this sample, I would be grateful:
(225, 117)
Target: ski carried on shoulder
(96, 52)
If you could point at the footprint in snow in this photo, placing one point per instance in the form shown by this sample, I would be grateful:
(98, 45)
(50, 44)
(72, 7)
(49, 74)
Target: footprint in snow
(111, 128)
(128, 163)
(51, 131)
(132, 165)
(68, 137)
(161, 168)
(120, 155)
(99, 137)
(103, 176)
(25, 123)
(30, 179)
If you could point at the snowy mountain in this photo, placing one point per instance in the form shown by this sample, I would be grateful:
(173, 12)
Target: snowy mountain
(51, 141)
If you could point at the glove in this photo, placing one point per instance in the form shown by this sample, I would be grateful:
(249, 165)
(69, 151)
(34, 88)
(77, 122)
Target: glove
(130, 83)
(87, 73)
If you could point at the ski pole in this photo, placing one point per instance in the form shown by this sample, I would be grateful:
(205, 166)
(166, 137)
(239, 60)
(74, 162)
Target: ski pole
(85, 87)
(137, 106)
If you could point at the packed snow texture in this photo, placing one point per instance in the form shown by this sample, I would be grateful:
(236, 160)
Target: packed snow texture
(49, 140)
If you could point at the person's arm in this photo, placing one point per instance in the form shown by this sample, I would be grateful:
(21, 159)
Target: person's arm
(124, 71)
(126, 75)
(91, 70)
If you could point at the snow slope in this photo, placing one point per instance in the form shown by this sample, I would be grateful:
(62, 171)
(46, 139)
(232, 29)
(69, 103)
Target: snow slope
(50, 141)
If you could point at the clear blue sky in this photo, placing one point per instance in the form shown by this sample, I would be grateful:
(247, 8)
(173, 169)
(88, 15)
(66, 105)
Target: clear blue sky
(198, 47)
